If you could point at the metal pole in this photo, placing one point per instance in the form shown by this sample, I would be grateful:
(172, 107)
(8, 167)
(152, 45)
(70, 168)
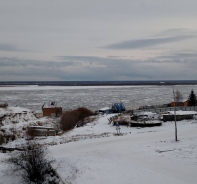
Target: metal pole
(175, 116)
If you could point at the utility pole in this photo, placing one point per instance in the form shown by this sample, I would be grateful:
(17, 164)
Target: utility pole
(175, 115)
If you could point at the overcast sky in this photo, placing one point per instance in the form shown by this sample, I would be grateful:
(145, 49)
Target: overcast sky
(98, 39)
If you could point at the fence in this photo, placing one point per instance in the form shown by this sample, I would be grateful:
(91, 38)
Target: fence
(166, 109)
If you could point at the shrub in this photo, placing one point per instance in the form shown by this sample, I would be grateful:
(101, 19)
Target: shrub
(31, 162)
(9, 137)
(1, 139)
(70, 119)
(30, 133)
(3, 105)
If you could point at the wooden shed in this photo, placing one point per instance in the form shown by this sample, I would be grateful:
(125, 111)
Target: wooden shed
(41, 131)
(51, 109)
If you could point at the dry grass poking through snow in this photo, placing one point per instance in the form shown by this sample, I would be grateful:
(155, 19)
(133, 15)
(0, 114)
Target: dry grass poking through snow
(73, 118)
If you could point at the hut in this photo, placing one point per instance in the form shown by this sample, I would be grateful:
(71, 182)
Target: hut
(38, 113)
(180, 115)
(51, 109)
(41, 131)
(105, 110)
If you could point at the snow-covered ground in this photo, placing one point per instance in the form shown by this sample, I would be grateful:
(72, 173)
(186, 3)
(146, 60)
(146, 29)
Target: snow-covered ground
(148, 155)
(15, 120)
(93, 154)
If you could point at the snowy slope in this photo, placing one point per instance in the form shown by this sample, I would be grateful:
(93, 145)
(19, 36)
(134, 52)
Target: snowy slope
(93, 154)
(147, 155)
(15, 120)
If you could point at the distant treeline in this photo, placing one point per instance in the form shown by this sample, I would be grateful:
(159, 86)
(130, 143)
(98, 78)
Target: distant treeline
(99, 83)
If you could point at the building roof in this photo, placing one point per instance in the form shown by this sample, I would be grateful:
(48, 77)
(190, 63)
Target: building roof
(183, 112)
(40, 127)
(52, 104)
(38, 111)
(181, 100)
(104, 109)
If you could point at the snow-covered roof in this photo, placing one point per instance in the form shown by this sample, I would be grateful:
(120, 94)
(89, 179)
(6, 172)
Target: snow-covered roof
(14, 110)
(40, 127)
(50, 105)
(181, 100)
(104, 109)
(38, 111)
(182, 112)
(149, 113)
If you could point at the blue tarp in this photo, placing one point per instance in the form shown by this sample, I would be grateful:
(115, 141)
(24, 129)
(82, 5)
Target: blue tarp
(118, 107)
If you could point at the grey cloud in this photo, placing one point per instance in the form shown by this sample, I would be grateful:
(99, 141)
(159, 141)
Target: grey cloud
(79, 58)
(144, 43)
(88, 68)
(38, 70)
(17, 62)
(9, 47)
(176, 32)
(179, 55)
(93, 58)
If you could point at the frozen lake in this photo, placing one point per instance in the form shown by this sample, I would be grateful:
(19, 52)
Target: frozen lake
(92, 97)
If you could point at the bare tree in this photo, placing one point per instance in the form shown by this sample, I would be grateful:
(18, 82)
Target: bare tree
(31, 162)
(178, 97)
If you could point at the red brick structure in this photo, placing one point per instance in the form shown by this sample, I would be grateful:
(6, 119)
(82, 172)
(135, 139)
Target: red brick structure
(180, 104)
(51, 109)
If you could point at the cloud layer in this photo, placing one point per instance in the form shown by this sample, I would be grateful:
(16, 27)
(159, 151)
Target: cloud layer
(98, 40)
(8, 47)
(170, 66)
(148, 43)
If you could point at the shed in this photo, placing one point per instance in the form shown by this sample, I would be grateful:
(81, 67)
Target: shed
(38, 113)
(51, 109)
(41, 131)
(105, 110)
(180, 115)
(183, 103)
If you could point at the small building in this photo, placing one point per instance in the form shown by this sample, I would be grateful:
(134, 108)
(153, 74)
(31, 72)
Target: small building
(118, 107)
(180, 115)
(38, 113)
(183, 103)
(105, 110)
(41, 131)
(51, 109)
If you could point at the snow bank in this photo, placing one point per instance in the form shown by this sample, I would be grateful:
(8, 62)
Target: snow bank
(15, 120)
